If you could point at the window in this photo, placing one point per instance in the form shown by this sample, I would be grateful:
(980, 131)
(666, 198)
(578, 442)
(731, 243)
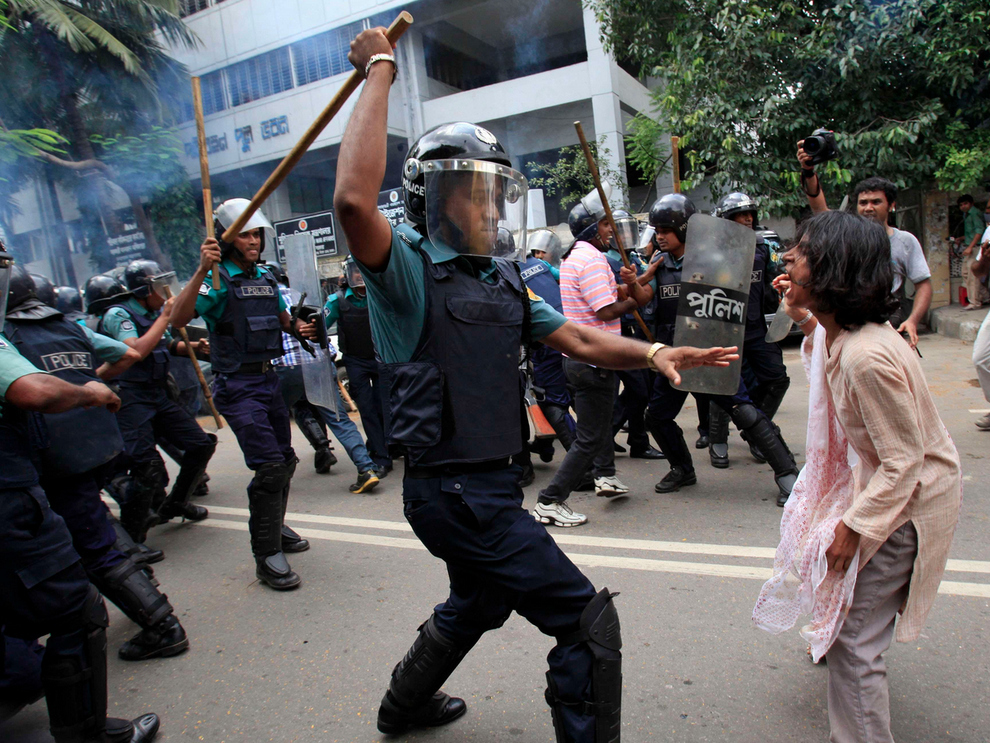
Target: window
(324, 55)
(188, 7)
(211, 85)
(258, 77)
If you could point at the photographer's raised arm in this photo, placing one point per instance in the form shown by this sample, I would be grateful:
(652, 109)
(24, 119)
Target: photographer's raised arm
(810, 184)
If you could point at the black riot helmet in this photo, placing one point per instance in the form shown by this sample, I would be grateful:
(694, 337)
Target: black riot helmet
(138, 277)
(21, 288)
(459, 140)
(672, 212)
(580, 220)
(44, 289)
(278, 272)
(736, 203)
(68, 299)
(99, 291)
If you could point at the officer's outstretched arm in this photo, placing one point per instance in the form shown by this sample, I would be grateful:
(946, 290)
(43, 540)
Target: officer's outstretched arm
(125, 362)
(43, 393)
(361, 164)
(611, 351)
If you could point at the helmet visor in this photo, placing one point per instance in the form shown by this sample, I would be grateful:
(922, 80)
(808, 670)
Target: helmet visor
(228, 212)
(467, 201)
(646, 237)
(353, 274)
(6, 262)
(166, 284)
(627, 232)
(549, 244)
(593, 201)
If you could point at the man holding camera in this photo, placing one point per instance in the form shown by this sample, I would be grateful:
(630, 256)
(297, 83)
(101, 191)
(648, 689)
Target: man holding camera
(875, 199)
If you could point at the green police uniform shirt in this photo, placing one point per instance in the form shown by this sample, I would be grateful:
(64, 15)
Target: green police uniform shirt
(118, 325)
(13, 366)
(398, 300)
(331, 310)
(210, 302)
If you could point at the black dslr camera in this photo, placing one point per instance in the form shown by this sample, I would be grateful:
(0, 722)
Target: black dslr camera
(821, 146)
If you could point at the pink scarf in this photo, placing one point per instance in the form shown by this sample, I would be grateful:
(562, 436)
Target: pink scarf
(801, 582)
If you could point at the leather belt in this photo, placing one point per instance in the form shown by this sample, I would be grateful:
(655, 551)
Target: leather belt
(457, 468)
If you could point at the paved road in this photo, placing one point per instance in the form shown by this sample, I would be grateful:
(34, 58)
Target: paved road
(312, 665)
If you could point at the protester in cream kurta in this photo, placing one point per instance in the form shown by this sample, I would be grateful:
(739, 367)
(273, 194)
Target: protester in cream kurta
(907, 490)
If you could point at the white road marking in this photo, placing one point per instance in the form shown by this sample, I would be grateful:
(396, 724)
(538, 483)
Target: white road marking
(952, 588)
(983, 411)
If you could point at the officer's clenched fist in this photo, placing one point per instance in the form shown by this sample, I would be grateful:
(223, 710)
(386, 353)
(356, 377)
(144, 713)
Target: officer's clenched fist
(209, 254)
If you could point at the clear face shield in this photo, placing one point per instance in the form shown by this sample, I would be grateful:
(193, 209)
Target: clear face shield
(593, 202)
(166, 285)
(646, 246)
(469, 201)
(547, 242)
(6, 263)
(627, 233)
(353, 274)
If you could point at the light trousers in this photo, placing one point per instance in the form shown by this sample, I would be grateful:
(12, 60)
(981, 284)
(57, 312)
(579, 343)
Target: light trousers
(858, 696)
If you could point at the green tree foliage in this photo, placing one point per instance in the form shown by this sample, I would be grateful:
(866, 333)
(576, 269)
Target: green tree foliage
(901, 83)
(94, 71)
(569, 179)
(149, 165)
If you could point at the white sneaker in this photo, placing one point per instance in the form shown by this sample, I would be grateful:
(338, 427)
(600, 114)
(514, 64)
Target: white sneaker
(558, 514)
(609, 487)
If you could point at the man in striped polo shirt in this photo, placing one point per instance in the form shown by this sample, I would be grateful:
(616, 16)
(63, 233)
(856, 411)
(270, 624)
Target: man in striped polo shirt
(590, 297)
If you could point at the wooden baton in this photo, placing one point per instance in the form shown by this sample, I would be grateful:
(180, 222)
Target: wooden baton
(199, 372)
(204, 169)
(675, 162)
(394, 32)
(608, 213)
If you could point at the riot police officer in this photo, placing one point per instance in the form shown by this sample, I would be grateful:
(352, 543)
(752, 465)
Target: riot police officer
(44, 586)
(246, 317)
(44, 288)
(763, 363)
(349, 309)
(68, 301)
(448, 321)
(548, 370)
(669, 217)
(630, 402)
(140, 319)
(74, 452)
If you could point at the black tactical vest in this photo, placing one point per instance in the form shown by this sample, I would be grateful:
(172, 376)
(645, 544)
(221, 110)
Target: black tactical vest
(153, 368)
(17, 470)
(458, 400)
(537, 276)
(354, 329)
(756, 323)
(668, 295)
(249, 330)
(75, 441)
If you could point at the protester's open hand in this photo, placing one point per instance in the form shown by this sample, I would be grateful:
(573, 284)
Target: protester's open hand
(910, 327)
(101, 396)
(209, 254)
(843, 548)
(669, 361)
(367, 44)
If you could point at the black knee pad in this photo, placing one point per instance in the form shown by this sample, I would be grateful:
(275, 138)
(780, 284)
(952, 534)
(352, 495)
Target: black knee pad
(130, 588)
(745, 416)
(270, 477)
(599, 629)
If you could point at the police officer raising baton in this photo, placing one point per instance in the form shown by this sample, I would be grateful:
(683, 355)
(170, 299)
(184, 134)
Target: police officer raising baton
(448, 321)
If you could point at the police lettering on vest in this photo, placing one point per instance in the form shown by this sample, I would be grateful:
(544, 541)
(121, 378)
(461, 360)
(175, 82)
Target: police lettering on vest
(249, 329)
(78, 440)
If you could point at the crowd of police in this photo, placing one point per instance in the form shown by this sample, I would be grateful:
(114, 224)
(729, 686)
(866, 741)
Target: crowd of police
(435, 320)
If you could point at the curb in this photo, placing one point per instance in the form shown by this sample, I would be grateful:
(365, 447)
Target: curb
(954, 322)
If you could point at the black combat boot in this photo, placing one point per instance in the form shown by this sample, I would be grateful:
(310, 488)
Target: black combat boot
(718, 436)
(193, 468)
(267, 496)
(414, 698)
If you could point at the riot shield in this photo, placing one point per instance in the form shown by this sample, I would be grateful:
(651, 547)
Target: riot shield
(6, 263)
(780, 326)
(300, 265)
(718, 266)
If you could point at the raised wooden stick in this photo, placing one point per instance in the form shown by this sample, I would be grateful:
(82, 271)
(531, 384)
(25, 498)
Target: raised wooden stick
(395, 31)
(204, 170)
(608, 213)
(675, 162)
(199, 372)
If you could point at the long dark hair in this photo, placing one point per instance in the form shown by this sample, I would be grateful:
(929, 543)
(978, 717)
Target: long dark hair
(851, 271)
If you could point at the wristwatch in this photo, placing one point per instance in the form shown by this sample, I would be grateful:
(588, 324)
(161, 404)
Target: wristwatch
(653, 352)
